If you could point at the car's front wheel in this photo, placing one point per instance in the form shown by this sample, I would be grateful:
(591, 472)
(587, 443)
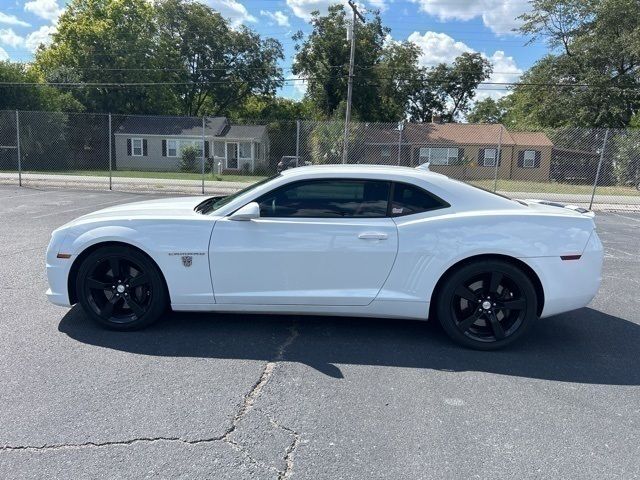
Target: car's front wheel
(121, 288)
(487, 305)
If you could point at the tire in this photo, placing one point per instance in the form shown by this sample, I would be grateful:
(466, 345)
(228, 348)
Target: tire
(121, 288)
(487, 305)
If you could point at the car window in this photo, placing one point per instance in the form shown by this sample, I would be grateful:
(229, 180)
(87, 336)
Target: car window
(327, 198)
(212, 204)
(409, 199)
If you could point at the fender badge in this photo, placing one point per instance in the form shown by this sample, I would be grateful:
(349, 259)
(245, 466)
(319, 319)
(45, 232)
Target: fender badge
(187, 260)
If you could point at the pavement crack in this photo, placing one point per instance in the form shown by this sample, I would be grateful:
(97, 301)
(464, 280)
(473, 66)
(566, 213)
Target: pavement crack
(248, 403)
(60, 446)
(289, 452)
(251, 398)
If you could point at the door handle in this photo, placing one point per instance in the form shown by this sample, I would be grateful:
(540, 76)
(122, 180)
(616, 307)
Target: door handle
(373, 236)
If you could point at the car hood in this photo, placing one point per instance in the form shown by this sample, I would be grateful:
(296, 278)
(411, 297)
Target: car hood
(163, 208)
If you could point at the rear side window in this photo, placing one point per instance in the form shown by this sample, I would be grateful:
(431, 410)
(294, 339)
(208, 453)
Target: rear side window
(328, 198)
(409, 199)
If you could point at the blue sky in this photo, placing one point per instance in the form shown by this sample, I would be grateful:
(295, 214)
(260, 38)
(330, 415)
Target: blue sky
(442, 28)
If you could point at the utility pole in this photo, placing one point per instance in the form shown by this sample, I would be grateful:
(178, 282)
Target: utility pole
(352, 33)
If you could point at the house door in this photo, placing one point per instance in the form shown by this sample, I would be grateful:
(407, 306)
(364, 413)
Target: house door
(232, 156)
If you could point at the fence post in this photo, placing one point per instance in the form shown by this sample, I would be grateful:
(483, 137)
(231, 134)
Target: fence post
(595, 183)
(203, 122)
(400, 128)
(298, 142)
(18, 148)
(110, 155)
(498, 154)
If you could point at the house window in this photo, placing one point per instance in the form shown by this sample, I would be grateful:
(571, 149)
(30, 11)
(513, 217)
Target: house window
(245, 150)
(218, 149)
(529, 159)
(197, 144)
(172, 148)
(439, 156)
(385, 152)
(136, 147)
(490, 155)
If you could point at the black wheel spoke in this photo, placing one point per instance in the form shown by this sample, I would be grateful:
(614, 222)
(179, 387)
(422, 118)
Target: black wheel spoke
(465, 324)
(494, 282)
(515, 304)
(138, 280)
(498, 331)
(465, 293)
(114, 263)
(136, 307)
(107, 310)
(98, 285)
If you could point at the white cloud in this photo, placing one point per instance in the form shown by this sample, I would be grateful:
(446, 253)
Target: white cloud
(12, 20)
(498, 15)
(235, 11)
(437, 48)
(278, 17)
(38, 37)
(11, 38)
(47, 9)
(441, 48)
(3, 55)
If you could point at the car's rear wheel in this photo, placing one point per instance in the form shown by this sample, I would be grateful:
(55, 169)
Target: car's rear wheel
(487, 305)
(121, 288)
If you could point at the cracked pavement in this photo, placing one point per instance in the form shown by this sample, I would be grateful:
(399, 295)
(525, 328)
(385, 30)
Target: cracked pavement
(275, 397)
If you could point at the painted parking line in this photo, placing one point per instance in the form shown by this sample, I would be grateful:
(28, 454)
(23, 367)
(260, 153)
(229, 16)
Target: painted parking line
(635, 219)
(84, 208)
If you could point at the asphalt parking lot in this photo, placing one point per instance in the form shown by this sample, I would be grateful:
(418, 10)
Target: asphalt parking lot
(239, 396)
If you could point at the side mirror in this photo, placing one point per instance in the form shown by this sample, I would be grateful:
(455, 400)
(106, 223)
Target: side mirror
(248, 212)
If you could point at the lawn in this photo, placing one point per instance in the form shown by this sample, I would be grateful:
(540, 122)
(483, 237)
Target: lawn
(553, 187)
(166, 175)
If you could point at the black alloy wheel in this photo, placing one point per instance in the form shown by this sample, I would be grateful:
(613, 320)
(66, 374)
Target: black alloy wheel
(121, 288)
(487, 305)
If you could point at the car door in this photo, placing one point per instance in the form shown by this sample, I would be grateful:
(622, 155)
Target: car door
(317, 242)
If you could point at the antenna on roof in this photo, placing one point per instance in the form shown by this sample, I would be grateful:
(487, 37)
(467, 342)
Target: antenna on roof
(423, 166)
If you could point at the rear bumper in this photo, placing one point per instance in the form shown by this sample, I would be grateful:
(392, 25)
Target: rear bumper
(570, 284)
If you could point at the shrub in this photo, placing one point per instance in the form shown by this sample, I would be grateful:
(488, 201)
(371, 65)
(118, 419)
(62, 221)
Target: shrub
(188, 161)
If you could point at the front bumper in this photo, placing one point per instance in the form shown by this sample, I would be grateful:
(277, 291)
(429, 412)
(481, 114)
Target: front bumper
(58, 272)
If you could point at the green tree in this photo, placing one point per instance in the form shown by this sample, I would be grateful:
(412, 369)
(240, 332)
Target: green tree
(107, 41)
(447, 90)
(486, 110)
(596, 45)
(219, 67)
(323, 59)
(31, 97)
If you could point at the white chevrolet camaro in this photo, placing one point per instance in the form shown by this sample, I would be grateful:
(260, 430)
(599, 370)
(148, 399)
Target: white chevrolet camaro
(352, 240)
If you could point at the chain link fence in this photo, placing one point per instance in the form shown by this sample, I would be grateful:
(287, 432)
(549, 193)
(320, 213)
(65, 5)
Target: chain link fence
(218, 156)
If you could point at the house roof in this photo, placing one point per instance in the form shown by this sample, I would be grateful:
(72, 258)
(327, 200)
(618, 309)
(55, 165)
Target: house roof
(188, 126)
(537, 139)
(245, 131)
(455, 134)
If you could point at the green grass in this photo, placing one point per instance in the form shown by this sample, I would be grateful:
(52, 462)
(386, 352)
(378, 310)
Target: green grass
(164, 175)
(553, 187)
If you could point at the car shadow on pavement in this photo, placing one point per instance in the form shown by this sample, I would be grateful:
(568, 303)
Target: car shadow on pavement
(585, 346)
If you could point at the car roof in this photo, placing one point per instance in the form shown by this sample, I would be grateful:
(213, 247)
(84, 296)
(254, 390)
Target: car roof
(361, 169)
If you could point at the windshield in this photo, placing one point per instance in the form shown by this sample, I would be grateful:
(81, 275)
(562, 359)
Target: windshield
(212, 204)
